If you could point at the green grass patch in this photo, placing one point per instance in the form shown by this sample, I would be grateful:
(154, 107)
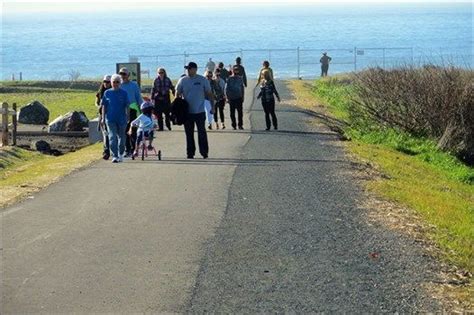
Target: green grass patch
(23, 172)
(433, 183)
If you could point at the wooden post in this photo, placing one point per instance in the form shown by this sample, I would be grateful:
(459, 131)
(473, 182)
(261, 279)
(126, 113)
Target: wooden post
(14, 124)
(4, 124)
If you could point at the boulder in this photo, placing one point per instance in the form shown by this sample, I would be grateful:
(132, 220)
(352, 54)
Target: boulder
(34, 113)
(41, 146)
(72, 121)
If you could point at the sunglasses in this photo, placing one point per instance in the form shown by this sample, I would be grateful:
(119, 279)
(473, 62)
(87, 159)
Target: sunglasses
(121, 73)
(116, 82)
(106, 81)
(161, 72)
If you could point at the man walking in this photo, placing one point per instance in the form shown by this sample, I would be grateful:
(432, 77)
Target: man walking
(135, 98)
(194, 88)
(238, 64)
(234, 92)
(325, 59)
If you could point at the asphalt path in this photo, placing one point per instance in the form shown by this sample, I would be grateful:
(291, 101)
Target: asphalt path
(269, 223)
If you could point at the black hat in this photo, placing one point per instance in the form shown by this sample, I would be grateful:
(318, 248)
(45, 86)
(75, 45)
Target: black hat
(191, 65)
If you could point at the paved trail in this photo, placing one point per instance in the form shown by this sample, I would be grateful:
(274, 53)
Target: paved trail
(267, 223)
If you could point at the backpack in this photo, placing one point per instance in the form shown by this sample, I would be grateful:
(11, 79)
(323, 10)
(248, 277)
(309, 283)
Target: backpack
(179, 111)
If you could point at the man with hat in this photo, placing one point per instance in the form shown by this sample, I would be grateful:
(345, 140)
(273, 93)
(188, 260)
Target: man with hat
(135, 98)
(195, 88)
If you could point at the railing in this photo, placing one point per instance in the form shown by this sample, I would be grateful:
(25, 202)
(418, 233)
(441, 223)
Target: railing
(299, 62)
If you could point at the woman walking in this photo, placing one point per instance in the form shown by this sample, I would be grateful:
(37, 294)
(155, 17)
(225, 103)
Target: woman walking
(207, 103)
(267, 89)
(265, 67)
(104, 86)
(160, 94)
(218, 87)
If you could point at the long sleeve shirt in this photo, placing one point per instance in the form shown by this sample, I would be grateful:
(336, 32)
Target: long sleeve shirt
(242, 74)
(267, 89)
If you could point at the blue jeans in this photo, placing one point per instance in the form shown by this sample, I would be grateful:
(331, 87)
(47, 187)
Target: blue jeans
(116, 138)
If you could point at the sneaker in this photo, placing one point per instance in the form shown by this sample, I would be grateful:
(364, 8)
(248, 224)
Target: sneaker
(190, 156)
(223, 126)
(120, 158)
(209, 127)
(217, 126)
(150, 147)
(235, 128)
(115, 160)
(267, 129)
(241, 128)
(276, 128)
(106, 156)
(205, 156)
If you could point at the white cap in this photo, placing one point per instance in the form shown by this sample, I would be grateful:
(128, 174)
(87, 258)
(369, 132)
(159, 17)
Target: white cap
(107, 77)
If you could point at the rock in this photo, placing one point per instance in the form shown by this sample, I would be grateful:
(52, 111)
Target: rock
(42, 146)
(34, 113)
(72, 121)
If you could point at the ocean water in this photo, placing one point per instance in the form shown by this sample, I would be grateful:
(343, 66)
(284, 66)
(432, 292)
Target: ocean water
(50, 45)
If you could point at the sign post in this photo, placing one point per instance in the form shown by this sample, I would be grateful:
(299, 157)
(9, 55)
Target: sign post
(133, 68)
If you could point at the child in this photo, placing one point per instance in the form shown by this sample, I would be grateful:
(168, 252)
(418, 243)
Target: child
(145, 125)
(267, 89)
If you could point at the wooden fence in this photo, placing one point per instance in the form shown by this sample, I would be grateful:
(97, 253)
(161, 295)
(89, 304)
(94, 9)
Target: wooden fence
(6, 113)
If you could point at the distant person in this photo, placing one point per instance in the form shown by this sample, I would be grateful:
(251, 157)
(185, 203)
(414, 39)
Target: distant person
(210, 66)
(135, 98)
(234, 92)
(218, 89)
(194, 88)
(115, 106)
(224, 73)
(104, 86)
(160, 95)
(238, 64)
(325, 60)
(265, 67)
(209, 111)
(267, 90)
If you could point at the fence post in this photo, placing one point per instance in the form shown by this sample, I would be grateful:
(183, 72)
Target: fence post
(21, 76)
(184, 54)
(241, 53)
(412, 57)
(270, 56)
(4, 124)
(383, 54)
(298, 61)
(355, 58)
(14, 124)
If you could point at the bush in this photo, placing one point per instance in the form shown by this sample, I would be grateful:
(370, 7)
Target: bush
(433, 102)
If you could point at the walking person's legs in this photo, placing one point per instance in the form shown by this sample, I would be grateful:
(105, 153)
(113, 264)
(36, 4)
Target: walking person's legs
(267, 114)
(113, 140)
(271, 110)
(189, 130)
(202, 135)
(121, 133)
(240, 113)
(167, 114)
(159, 116)
(232, 113)
(105, 140)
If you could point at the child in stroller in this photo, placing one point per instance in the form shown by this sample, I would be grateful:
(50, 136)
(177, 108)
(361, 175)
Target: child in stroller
(145, 125)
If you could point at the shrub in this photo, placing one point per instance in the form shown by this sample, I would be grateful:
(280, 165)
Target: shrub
(431, 101)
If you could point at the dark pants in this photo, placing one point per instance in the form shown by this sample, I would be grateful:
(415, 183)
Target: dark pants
(219, 111)
(324, 70)
(200, 121)
(163, 108)
(236, 105)
(269, 109)
(131, 139)
(105, 137)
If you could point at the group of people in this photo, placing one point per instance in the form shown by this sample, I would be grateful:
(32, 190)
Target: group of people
(126, 117)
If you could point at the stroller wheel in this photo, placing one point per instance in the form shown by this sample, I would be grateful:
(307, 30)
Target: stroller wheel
(159, 155)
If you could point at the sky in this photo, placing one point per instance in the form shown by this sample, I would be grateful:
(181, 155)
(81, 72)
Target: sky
(18, 6)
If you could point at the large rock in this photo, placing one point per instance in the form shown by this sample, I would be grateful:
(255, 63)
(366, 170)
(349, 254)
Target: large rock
(34, 113)
(41, 146)
(72, 121)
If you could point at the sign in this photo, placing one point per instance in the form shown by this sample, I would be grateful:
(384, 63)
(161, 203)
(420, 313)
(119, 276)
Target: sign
(133, 68)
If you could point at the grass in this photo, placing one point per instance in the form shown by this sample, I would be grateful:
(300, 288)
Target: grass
(23, 172)
(432, 183)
